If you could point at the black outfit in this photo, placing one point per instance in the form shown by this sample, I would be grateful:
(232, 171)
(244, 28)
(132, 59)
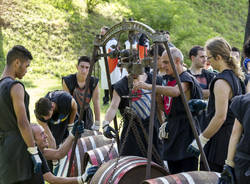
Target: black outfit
(204, 79)
(37, 177)
(58, 123)
(217, 147)
(78, 94)
(141, 106)
(240, 107)
(180, 132)
(15, 161)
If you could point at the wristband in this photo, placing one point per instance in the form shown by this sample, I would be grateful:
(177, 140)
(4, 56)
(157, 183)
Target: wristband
(105, 123)
(97, 123)
(230, 163)
(80, 180)
(32, 150)
(70, 127)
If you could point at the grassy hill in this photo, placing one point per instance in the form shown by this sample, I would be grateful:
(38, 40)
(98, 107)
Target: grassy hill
(58, 31)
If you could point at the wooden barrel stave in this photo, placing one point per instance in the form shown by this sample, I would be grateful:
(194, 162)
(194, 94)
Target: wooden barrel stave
(84, 144)
(130, 169)
(194, 177)
(99, 155)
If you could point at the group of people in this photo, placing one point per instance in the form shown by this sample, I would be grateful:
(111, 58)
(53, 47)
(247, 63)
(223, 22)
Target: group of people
(29, 153)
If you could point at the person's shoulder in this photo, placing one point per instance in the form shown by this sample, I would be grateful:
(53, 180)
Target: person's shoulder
(70, 76)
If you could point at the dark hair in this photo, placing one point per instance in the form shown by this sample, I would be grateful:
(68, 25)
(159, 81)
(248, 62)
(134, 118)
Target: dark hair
(165, 32)
(246, 48)
(18, 52)
(235, 49)
(83, 59)
(42, 107)
(194, 50)
(161, 49)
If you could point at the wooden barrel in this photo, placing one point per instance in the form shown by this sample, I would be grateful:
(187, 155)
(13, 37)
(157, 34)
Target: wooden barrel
(194, 177)
(84, 144)
(130, 170)
(100, 155)
(90, 133)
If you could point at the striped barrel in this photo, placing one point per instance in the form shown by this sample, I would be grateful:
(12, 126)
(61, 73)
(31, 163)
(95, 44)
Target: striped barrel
(84, 144)
(194, 177)
(90, 133)
(100, 155)
(129, 170)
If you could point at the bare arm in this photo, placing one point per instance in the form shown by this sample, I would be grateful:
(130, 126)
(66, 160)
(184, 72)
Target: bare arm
(164, 90)
(160, 109)
(96, 103)
(52, 179)
(234, 139)
(73, 111)
(56, 154)
(222, 93)
(64, 86)
(17, 96)
(51, 139)
(110, 114)
(248, 87)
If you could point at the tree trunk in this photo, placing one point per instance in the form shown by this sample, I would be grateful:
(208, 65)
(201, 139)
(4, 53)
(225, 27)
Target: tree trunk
(247, 30)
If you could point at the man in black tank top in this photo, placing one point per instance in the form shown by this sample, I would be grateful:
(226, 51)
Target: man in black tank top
(19, 158)
(178, 129)
(56, 113)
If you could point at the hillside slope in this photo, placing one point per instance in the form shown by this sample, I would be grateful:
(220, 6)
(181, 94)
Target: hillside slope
(58, 31)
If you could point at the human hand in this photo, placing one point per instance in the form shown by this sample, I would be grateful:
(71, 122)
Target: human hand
(37, 163)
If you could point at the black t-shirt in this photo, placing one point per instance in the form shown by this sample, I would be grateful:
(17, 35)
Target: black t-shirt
(141, 105)
(59, 120)
(180, 132)
(204, 78)
(240, 107)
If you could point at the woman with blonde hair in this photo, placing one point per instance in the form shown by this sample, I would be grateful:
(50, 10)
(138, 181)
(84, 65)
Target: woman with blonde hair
(220, 119)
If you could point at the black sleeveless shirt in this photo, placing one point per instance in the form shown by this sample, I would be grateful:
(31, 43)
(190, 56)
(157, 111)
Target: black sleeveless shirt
(217, 147)
(15, 161)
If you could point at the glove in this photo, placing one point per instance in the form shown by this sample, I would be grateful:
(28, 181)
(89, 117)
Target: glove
(163, 131)
(79, 127)
(35, 159)
(96, 126)
(197, 105)
(227, 175)
(87, 175)
(108, 131)
(193, 147)
(55, 164)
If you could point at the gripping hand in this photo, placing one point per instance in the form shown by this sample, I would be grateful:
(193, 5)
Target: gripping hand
(193, 147)
(197, 105)
(227, 175)
(77, 127)
(35, 159)
(163, 131)
(96, 126)
(108, 131)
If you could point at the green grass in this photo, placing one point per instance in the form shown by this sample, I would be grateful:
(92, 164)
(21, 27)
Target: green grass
(58, 32)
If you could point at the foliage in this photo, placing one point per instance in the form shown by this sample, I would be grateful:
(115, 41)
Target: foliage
(91, 4)
(192, 22)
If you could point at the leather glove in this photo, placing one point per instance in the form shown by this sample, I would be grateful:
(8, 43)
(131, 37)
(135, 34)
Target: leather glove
(197, 105)
(87, 175)
(193, 147)
(227, 175)
(35, 159)
(79, 127)
(163, 131)
(108, 131)
(96, 126)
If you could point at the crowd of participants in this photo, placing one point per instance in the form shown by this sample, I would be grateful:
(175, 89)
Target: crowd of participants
(217, 77)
